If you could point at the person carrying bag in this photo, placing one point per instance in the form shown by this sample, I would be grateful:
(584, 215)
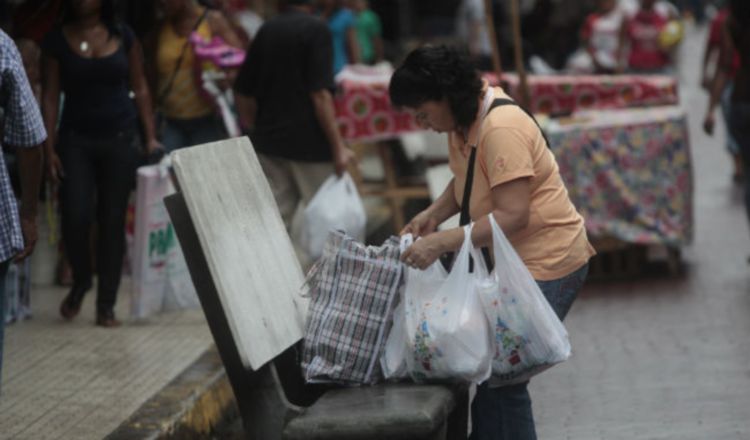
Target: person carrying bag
(502, 168)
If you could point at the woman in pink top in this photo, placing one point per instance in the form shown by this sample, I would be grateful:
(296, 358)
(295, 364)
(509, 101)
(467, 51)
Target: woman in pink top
(516, 178)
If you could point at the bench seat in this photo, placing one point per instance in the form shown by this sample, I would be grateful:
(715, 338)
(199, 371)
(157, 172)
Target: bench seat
(392, 411)
(244, 268)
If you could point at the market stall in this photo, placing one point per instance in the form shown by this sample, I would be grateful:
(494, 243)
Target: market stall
(629, 173)
(364, 112)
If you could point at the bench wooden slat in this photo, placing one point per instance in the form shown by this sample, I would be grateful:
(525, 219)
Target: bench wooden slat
(246, 245)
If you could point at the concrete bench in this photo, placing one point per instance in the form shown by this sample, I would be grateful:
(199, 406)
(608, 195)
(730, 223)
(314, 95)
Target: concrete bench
(246, 274)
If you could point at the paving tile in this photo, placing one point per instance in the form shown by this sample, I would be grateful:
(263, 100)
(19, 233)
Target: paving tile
(665, 359)
(72, 380)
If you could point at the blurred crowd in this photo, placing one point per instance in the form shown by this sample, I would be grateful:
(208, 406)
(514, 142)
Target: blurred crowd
(160, 75)
(154, 76)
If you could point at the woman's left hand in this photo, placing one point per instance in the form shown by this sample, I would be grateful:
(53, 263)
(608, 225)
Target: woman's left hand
(428, 249)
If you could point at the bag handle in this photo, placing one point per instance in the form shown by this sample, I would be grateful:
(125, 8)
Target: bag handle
(405, 241)
(168, 89)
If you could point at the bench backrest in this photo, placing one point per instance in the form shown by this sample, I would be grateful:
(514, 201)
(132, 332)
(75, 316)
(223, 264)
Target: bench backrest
(248, 252)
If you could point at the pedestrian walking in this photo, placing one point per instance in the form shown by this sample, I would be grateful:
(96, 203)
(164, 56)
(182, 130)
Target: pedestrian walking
(515, 177)
(735, 39)
(712, 51)
(639, 50)
(23, 130)
(95, 61)
(599, 40)
(285, 104)
(369, 32)
(342, 23)
(189, 114)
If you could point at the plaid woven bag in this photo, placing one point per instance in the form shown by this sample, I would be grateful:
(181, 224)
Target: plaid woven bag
(352, 290)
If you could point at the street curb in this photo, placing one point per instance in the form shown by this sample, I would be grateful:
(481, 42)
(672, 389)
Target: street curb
(192, 406)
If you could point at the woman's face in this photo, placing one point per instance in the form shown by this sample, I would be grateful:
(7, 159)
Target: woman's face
(434, 115)
(83, 8)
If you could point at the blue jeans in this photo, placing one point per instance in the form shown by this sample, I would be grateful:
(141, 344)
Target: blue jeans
(726, 110)
(739, 127)
(3, 271)
(179, 133)
(504, 413)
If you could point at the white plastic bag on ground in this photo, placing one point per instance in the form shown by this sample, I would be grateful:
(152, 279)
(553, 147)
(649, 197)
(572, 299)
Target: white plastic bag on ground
(528, 335)
(161, 281)
(336, 206)
(446, 329)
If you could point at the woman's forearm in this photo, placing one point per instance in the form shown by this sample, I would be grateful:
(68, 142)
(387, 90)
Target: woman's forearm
(145, 112)
(481, 234)
(445, 206)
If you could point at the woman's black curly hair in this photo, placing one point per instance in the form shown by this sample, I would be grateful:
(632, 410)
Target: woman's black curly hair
(434, 73)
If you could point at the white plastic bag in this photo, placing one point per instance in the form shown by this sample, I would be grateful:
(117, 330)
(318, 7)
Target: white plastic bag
(528, 335)
(336, 206)
(393, 361)
(161, 281)
(447, 333)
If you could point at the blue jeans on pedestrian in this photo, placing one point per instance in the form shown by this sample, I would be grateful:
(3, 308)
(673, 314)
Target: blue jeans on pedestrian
(3, 271)
(504, 413)
(179, 133)
(726, 110)
(739, 127)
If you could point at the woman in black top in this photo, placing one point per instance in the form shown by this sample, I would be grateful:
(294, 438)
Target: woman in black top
(95, 62)
(735, 42)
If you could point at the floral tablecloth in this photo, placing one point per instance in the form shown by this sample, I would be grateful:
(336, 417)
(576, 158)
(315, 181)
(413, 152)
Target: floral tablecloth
(364, 112)
(629, 173)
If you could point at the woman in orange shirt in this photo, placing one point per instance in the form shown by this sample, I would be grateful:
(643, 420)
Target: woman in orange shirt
(516, 178)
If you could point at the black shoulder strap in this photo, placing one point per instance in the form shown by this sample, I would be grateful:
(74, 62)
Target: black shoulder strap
(499, 102)
(168, 88)
(465, 216)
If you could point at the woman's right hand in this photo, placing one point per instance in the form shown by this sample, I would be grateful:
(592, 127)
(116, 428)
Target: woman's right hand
(54, 168)
(422, 224)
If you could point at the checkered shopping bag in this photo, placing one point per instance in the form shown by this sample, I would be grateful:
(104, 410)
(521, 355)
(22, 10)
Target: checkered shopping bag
(352, 289)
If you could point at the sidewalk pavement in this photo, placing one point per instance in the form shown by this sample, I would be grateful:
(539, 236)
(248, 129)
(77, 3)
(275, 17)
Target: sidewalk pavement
(665, 358)
(76, 381)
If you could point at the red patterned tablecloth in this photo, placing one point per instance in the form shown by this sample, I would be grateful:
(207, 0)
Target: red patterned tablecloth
(566, 94)
(364, 112)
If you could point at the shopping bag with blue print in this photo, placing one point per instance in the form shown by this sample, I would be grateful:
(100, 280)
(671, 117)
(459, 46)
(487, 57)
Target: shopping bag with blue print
(447, 334)
(528, 336)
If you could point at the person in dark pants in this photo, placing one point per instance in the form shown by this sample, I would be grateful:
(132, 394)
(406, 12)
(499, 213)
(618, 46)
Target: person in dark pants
(516, 179)
(23, 130)
(284, 101)
(735, 42)
(95, 61)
